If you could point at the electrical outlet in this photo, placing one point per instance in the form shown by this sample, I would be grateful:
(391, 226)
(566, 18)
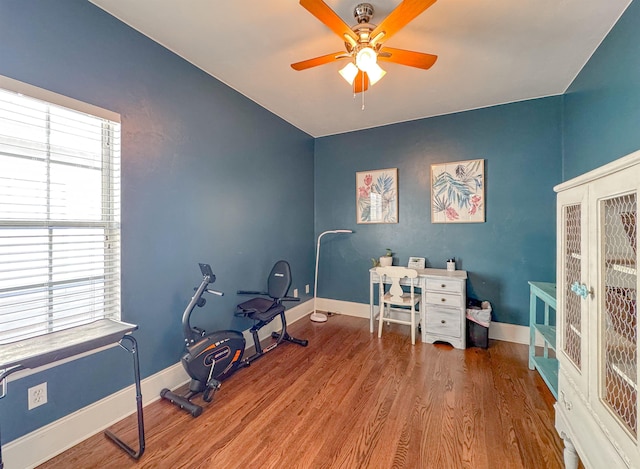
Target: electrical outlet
(306, 289)
(295, 293)
(37, 395)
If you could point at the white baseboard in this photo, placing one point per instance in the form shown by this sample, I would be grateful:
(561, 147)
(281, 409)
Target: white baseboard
(497, 330)
(43, 444)
(512, 333)
(360, 310)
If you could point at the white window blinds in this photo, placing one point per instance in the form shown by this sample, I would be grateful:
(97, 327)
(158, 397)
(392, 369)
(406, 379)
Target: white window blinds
(59, 217)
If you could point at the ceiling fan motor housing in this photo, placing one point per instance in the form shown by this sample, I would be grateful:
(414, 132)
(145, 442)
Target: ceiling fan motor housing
(363, 12)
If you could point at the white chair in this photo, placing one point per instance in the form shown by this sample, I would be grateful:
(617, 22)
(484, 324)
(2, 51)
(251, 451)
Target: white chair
(395, 299)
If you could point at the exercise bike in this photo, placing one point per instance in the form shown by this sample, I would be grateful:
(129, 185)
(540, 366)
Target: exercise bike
(212, 357)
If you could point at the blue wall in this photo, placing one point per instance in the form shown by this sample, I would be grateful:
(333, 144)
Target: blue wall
(208, 175)
(602, 105)
(521, 146)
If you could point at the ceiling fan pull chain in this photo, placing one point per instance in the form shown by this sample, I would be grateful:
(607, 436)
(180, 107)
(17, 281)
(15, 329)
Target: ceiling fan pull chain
(363, 91)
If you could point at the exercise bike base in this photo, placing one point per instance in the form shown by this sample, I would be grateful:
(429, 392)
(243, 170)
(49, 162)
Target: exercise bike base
(185, 404)
(288, 338)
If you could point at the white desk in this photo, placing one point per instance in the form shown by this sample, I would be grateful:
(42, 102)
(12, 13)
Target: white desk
(442, 305)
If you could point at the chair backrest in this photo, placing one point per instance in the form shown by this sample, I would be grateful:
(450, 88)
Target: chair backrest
(395, 274)
(279, 280)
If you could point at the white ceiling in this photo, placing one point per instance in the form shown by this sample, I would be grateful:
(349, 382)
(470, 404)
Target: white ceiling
(489, 52)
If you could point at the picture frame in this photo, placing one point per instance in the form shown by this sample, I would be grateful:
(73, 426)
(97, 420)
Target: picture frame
(458, 192)
(377, 196)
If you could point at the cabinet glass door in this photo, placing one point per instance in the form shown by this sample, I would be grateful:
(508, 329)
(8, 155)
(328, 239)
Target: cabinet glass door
(617, 299)
(572, 329)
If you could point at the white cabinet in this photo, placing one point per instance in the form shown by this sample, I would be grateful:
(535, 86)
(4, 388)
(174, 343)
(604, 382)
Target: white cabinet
(445, 310)
(597, 340)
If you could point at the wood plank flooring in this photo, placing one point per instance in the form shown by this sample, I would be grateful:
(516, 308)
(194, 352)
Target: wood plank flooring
(351, 400)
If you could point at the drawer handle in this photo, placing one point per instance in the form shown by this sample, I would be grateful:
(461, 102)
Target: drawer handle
(443, 299)
(443, 286)
(443, 321)
(567, 404)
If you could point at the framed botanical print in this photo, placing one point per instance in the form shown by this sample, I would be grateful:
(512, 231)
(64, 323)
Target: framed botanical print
(457, 192)
(377, 196)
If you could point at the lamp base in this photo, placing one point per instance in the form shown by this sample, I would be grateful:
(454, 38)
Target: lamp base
(318, 317)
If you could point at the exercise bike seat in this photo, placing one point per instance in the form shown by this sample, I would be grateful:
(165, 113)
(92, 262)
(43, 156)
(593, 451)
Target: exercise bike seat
(267, 307)
(260, 309)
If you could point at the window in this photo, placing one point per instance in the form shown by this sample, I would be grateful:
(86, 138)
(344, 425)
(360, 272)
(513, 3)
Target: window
(59, 212)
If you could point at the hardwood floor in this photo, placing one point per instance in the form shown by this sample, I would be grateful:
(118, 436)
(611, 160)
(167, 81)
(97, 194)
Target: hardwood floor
(351, 400)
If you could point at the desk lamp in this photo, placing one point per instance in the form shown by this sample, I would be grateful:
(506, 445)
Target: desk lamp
(315, 316)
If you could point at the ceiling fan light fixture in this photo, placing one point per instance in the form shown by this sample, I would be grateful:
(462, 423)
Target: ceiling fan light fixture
(349, 72)
(366, 58)
(350, 40)
(375, 73)
(377, 38)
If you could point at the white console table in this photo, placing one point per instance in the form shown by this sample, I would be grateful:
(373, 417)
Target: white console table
(442, 305)
(49, 348)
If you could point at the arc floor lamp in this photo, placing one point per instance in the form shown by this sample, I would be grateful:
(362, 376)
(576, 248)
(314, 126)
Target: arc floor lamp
(315, 316)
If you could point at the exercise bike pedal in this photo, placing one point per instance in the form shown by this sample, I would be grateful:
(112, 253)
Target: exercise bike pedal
(212, 387)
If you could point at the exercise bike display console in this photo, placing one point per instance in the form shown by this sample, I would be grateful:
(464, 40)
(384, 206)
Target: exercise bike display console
(212, 357)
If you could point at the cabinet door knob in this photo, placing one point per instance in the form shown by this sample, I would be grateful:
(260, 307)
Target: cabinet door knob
(443, 321)
(581, 290)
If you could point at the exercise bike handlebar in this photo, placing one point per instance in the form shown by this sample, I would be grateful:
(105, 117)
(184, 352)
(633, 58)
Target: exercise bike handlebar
(189, 335)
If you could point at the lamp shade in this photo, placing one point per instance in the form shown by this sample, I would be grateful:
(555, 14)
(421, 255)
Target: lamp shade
(349, 72)
(366, 58)
(375, 73)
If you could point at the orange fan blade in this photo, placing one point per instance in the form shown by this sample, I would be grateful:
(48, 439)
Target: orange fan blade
(326, 15)
(400, 17)
(361, 82)
(325, 59)
(407, 57)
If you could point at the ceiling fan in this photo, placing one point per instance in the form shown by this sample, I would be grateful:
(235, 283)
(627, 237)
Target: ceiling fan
(364, 41)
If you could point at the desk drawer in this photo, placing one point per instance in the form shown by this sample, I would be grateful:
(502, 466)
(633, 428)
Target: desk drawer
(444, 285)
(444, 299)
(442, 321)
